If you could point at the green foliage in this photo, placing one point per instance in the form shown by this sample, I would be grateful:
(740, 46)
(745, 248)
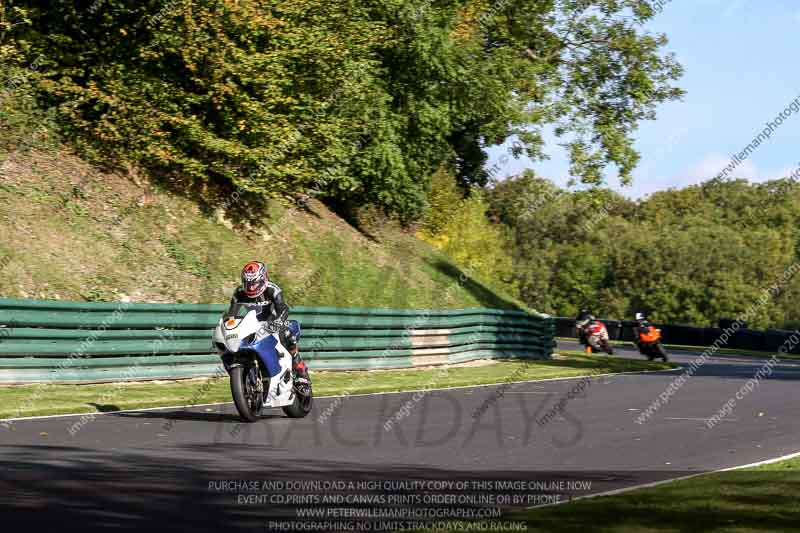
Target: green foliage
(470, 239)
(23, 124)
(360, 101)
(12, 51)
(25, 127)
(443, 200)
(687, 256)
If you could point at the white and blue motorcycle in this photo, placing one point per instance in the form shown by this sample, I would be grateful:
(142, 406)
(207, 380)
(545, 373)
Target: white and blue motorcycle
(259, 365)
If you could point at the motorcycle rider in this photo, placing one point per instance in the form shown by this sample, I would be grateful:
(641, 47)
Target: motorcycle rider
(641, 326)
(591, 329)
(647, 338)
(584, 318)
(256, 288)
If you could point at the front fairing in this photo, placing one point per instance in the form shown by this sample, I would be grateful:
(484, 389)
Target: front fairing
(269, 351)
(240, 337)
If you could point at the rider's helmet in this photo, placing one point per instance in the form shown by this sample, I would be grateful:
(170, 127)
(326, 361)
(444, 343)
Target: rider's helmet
(640, 317)
(254, 279)
(584, 317)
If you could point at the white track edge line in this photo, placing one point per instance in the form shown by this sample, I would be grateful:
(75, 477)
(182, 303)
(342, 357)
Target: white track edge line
(652, 484)
(44, 417)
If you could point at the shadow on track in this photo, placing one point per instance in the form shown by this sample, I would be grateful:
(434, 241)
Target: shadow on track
(104, 408)
(58, 488)
(197, 416)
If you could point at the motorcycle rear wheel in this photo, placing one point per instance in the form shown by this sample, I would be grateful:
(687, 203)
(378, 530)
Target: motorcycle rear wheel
(247, 400)
(661, 352)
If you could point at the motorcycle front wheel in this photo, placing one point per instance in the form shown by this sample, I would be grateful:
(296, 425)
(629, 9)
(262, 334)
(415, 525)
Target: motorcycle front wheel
(246, 398)
(301, 405)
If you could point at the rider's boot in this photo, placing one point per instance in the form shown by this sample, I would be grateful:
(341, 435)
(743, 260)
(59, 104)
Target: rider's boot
(302, 382)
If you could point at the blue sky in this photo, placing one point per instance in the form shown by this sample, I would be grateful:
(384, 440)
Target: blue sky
(741, 70)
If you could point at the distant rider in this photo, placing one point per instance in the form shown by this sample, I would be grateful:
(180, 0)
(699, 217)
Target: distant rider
(256, 288)
(582, 321)
(642, 325)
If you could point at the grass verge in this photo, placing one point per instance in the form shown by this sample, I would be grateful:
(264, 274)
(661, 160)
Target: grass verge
(762, 498)
(32, 400)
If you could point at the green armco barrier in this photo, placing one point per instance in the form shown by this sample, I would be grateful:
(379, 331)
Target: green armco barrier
(54, 341)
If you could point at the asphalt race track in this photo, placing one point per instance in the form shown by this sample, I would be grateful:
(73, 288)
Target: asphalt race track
(173, 468)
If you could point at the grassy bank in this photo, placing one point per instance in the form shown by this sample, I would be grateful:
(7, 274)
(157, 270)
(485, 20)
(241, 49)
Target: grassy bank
(763, 498)
(107, 235)
(30, 400)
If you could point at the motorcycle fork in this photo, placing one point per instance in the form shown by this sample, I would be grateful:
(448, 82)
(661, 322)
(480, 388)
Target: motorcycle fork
(259, 379)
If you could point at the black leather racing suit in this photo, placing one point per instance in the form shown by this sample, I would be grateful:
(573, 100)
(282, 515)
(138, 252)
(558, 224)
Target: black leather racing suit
(274, 310)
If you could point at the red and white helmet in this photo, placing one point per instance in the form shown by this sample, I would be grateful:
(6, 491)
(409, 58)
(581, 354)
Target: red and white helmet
(254, 279)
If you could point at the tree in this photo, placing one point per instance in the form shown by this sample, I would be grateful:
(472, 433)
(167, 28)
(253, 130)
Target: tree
(690, 256)
(359, 102)
(586, 67)
(475, 243)
(444, 199)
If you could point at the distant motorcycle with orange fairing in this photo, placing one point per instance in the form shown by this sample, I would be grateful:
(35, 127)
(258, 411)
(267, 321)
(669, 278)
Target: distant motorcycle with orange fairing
(648, 339)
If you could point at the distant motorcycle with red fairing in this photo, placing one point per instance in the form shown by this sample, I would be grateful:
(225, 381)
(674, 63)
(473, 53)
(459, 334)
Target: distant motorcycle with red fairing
(593, 334)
